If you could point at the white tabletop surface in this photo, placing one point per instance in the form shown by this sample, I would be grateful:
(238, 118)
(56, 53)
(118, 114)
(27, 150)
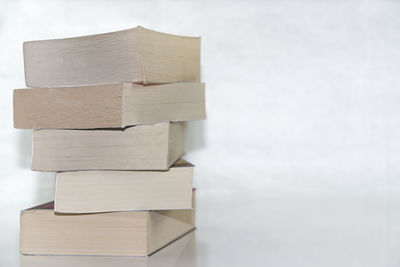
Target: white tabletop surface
(248, 230)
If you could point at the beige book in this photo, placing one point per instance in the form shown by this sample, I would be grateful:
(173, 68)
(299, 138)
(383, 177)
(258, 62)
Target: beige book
(109, 105)
(135, 55)
(130, 233)
(143, 147)
(104, 191)
(180, 253)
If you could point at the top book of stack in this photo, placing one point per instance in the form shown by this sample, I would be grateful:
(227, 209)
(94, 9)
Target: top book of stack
(136, 55)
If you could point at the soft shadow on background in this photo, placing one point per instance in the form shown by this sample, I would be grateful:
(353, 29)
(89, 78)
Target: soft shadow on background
(195, 136)
(24, 145)
(298, 161)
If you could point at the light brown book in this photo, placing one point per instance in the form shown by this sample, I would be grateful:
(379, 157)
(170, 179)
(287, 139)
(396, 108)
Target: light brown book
(131, 233)
(105, 191)
(143, 147)
(181, 252)
(135, 55)
(109, 105)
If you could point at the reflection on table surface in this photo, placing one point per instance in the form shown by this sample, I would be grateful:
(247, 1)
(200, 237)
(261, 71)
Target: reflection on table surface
(182, 252)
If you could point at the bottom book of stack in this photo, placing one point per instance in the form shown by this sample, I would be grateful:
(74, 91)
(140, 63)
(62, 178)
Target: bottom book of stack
(129, 233)
(182, 252)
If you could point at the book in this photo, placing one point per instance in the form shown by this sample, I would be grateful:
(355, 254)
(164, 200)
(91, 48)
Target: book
(105, 191)
(135, 55)
(181, 252)
(131, 233)
(142, 147)
(109, 105)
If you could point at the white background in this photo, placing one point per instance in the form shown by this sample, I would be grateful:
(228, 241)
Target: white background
(298, 163)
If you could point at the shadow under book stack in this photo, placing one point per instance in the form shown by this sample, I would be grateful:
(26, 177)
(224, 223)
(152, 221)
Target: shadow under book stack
(109, 113)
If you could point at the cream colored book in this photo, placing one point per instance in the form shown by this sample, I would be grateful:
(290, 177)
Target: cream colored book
(181, 252)
(143, 147)
(131, 233)
(105, 191)
(109, 105)
(136, 55)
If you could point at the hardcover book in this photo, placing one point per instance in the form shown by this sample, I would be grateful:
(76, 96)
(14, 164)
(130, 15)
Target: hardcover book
(181, 252)
(135, 233)
(143, 147)
(105, 191)
(136, 55)
(109, 105)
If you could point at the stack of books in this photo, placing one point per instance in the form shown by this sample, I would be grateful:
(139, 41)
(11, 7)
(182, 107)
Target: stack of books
(109, 113)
